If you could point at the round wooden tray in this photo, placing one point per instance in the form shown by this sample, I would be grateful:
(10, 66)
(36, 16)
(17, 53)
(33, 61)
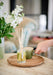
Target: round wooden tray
(36, 60)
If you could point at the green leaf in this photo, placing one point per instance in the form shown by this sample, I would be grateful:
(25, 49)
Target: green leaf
(1, 3)
(0, 40)
(13, 30)
(22, 14)
(5, 29)
(9, 35)
(17, 24)
(21, 6)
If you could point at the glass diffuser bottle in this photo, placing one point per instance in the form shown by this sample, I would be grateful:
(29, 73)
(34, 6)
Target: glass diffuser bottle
(21, 54)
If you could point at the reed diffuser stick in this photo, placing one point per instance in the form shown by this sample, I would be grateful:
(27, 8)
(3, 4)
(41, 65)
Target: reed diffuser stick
(21, 39)
(20, 35)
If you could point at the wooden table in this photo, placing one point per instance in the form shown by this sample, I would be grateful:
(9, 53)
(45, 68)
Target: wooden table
(44, 69)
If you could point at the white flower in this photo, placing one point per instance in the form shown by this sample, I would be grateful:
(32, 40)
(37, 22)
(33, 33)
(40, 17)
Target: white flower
(9, 19)
(19, 20)
(19, 8)
(13, 23)
(15, 18)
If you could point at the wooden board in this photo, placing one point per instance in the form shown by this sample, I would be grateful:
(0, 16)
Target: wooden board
(36, 60)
